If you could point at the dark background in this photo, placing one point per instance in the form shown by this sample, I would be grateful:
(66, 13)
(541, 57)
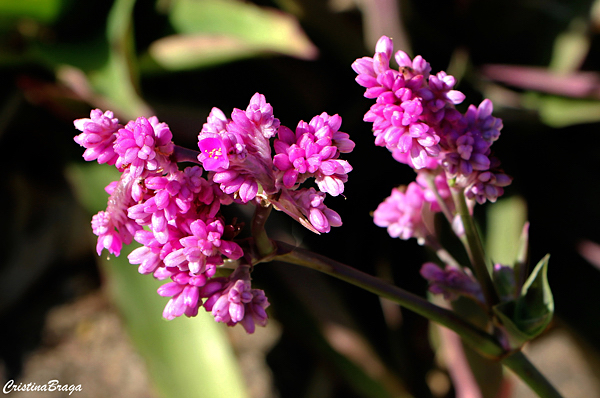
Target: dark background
(49, 258)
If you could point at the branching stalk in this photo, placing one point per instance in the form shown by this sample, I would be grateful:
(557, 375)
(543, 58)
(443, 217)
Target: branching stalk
(486, 344)
(478, 339)
(181, 154)
(474, 248)
(263, 244)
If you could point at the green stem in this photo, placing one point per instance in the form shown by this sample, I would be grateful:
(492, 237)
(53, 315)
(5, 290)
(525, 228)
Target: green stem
(520, 365)
(484, 343)
(263, 244)
(430, 178)
(474, 248)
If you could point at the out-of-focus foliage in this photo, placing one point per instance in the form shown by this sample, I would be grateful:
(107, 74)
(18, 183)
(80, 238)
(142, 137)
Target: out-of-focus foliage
(538, 62)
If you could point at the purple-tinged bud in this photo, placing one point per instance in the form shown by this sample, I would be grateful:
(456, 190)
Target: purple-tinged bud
(451, 282)
(384, 45)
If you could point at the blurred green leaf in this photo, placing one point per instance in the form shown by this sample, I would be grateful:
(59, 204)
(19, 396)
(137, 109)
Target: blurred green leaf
(185, 357)
(571, 47)
(89, 181)
(45, 11)
(118, 79)
(217, 31)
(505, 222)
(520, 265)
(182, 52)
(561, 111)
(505, 282)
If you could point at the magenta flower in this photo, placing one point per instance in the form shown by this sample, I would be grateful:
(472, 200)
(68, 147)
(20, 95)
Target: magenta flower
(112, 226)
(236, 302)
(109, 237)
(238, 150)
(408, 109)
(204, 248)
(98, 135)
(176, 215)
(213, 153)
(488, 186)
(414, 117)
(400, 213)
(467, 157)
(184, 290)
(147, 256)
(319, 217)
(313, 152)
(144, 144)
(260, 113)
(442, 188)
(170, 199)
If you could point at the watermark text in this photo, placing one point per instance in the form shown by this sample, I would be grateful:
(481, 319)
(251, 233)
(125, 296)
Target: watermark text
(52, 385)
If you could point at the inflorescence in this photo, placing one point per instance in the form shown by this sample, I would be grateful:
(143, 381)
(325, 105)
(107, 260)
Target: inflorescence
(176, 214)
(250, 158)
(415, 118)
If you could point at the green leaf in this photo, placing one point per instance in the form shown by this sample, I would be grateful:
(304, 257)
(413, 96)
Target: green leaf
(505, 312)
(561, 111)
(217, 31)
(571, 47)
(528, 316)
(118, 79)
(45, 11)
(535, 307)
(187, 357)
(505, 222)
(520, 265)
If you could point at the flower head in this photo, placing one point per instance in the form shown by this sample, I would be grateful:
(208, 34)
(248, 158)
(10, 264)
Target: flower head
(112, 226)
(176, 214)
(410, 104)
(313, 151)
(213, 153)
(236, 302)
(401, 213)
(98, 135)
(144, 144)
(414, 117)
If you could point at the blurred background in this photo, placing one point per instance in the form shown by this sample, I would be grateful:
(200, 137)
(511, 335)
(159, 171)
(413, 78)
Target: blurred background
(69, 315)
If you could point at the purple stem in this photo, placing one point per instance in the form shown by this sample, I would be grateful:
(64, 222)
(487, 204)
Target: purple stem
(181, 154)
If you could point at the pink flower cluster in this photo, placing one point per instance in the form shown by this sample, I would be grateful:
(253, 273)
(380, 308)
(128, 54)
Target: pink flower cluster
(405, 212)
(237, 152)
(176, 214)
(415, 118)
